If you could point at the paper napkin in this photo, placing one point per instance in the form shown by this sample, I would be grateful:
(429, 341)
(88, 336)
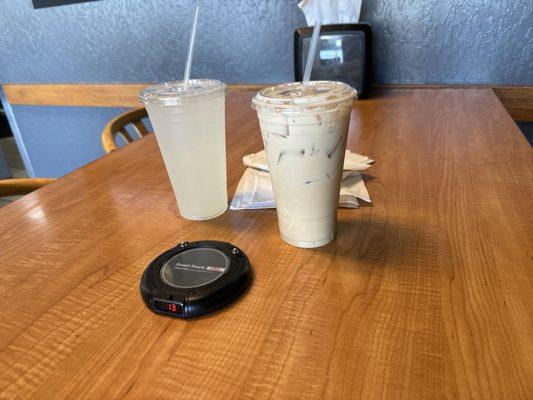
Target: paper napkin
(254, 190)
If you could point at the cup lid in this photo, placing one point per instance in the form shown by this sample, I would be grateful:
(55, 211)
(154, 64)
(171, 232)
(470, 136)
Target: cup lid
(296, 97)
(174, 92)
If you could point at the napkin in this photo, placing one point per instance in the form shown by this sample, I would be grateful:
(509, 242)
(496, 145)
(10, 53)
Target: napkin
(331, 11)
(254, 190)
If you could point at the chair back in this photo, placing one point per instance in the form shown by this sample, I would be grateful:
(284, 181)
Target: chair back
(19, 187)
(117, 127)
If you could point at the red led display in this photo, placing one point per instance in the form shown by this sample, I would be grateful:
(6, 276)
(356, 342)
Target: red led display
(165, 306)
(171, 307)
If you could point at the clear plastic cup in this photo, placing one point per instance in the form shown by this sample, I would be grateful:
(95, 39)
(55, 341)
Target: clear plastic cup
(189, 125)
(304, 130)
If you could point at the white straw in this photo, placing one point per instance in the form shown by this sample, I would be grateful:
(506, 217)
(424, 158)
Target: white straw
(311, 53)
(188, 63)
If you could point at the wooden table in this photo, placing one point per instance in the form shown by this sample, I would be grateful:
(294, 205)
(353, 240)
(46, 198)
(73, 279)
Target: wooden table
(427, 293)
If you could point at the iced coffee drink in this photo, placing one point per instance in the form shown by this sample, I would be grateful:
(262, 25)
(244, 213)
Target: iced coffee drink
(304, 130)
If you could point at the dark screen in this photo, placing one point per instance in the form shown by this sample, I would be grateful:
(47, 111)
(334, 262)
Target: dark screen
(339, 57)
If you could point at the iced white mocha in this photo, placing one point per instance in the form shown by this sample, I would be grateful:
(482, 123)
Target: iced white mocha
(190, 129)
(304, 130)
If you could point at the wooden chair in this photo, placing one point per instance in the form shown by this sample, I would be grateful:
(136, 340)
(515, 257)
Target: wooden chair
(19, 187)
(117, 127)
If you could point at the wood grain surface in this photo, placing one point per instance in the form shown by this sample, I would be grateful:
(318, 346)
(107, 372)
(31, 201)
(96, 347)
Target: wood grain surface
(517, 100)
(75, 94)
(86, 94)
(425, 294)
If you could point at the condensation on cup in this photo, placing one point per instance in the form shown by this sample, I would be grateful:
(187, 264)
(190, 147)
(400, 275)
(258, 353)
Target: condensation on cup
(189, 125)
(304, 130)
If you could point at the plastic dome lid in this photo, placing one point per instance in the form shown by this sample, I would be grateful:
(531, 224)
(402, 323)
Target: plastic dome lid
(174, 92)
(296, 97)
